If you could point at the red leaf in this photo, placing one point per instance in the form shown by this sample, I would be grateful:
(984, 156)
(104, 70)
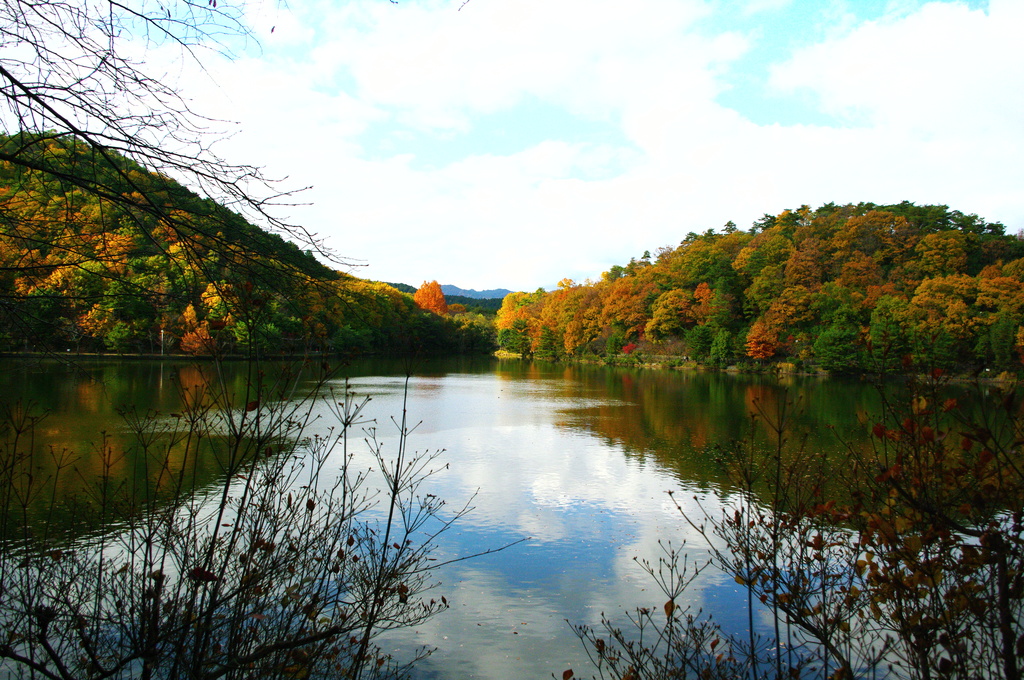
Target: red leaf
(252, 405)
(567, 675)
(202, 575)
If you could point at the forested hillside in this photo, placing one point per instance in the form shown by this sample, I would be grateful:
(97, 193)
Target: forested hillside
(110, 257)
(844, 287)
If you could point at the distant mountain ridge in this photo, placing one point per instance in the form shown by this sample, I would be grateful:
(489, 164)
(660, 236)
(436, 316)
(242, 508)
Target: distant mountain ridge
(495, 293)
(448, 289)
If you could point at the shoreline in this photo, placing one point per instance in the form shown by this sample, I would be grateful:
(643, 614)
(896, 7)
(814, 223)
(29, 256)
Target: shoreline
(666, 363)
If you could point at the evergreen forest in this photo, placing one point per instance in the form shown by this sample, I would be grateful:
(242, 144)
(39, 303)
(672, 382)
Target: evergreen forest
(845, 288)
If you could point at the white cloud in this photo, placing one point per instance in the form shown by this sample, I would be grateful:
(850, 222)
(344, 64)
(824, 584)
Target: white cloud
(943, 69)
(757, 6)
(934, 98)
(440, 66)
(928, 97)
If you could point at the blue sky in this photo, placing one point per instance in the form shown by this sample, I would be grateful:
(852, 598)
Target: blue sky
(511, 143)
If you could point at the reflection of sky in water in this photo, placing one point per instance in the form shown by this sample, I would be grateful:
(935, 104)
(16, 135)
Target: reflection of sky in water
(586, 509)
(577, 461)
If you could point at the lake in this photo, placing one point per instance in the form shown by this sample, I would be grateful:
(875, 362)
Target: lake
(571, 464)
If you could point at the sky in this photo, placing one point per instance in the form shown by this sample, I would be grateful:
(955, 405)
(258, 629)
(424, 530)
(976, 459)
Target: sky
(514, 143)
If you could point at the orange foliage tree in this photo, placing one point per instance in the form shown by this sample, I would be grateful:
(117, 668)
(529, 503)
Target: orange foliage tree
(762, 341)
(430, 298)
(197, 338)
(793, 277)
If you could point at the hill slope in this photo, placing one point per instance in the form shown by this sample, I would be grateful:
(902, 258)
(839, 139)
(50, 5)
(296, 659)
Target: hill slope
(134, 262)
(849, 288)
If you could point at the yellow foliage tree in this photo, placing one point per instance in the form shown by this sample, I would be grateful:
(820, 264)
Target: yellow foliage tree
(196, 338)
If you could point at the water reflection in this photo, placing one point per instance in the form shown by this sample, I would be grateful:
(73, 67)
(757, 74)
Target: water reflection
(71, 429)
(577, 459)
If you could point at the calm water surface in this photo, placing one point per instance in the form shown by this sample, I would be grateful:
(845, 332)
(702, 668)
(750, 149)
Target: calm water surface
(578, 460)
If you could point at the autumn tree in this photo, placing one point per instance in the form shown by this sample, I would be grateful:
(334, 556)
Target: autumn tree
(430, 298)
(516, 323)
(584, 325)
(762, 341)
(670, 314)
(943, 307)
(79, 70)
(557, 312)
(942, 254)
(805, 266)
(197, 338)
(797, 275)
(95, 132)
(627, 305)
(267, 572)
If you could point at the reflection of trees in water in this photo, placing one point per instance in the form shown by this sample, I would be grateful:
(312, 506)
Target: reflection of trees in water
(282, 567)
(674, 418)
(671, 418)
(71, 426)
